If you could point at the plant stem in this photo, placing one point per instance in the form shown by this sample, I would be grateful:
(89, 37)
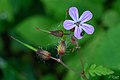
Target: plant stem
(82, 65)
(44, 30)
(80, 74)
(60, 61)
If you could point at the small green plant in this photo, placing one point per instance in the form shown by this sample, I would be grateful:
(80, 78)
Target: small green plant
(79, 27)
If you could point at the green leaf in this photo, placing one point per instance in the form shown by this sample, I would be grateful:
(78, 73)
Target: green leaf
(27, 29)
(99, 70)
(92, 70)
(86, 70)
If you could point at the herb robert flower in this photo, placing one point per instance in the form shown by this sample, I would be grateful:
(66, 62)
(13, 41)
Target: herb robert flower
(78, 23)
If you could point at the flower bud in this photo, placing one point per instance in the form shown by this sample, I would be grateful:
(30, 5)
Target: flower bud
(61, 48)
(44, 54)
(57, 33)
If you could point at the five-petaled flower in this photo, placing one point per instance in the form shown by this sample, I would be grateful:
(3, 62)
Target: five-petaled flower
(78, 23)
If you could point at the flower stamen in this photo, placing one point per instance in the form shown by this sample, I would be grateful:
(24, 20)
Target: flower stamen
(77, 24)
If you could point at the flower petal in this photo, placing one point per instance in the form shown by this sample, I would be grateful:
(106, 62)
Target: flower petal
(88, 28)
(68, 24)
(86, 16)
(77, 32)
(73, 12)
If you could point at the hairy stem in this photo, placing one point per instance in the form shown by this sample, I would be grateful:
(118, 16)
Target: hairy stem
(66, 66)
(82, 64)
(43, 30)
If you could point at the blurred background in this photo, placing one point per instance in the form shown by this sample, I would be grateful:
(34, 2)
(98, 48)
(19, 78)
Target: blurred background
(20, 18)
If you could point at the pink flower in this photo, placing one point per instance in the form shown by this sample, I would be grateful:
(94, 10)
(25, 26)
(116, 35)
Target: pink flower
(78, 23)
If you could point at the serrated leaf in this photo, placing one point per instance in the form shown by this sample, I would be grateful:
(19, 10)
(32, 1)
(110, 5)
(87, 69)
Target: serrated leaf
(93, 67)
(92, 74)
(86, 69)
(99, 70)
(91, 70)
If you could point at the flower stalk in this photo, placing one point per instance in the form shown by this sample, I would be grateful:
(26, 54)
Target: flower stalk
(66, 66)
(43, 30)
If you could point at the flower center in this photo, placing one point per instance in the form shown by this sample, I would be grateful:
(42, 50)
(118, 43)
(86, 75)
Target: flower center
(77, 23)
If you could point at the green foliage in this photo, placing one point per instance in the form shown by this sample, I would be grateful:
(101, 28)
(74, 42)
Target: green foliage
(99, 70)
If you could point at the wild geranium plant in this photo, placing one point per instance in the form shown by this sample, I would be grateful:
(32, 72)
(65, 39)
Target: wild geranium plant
(79, 27)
